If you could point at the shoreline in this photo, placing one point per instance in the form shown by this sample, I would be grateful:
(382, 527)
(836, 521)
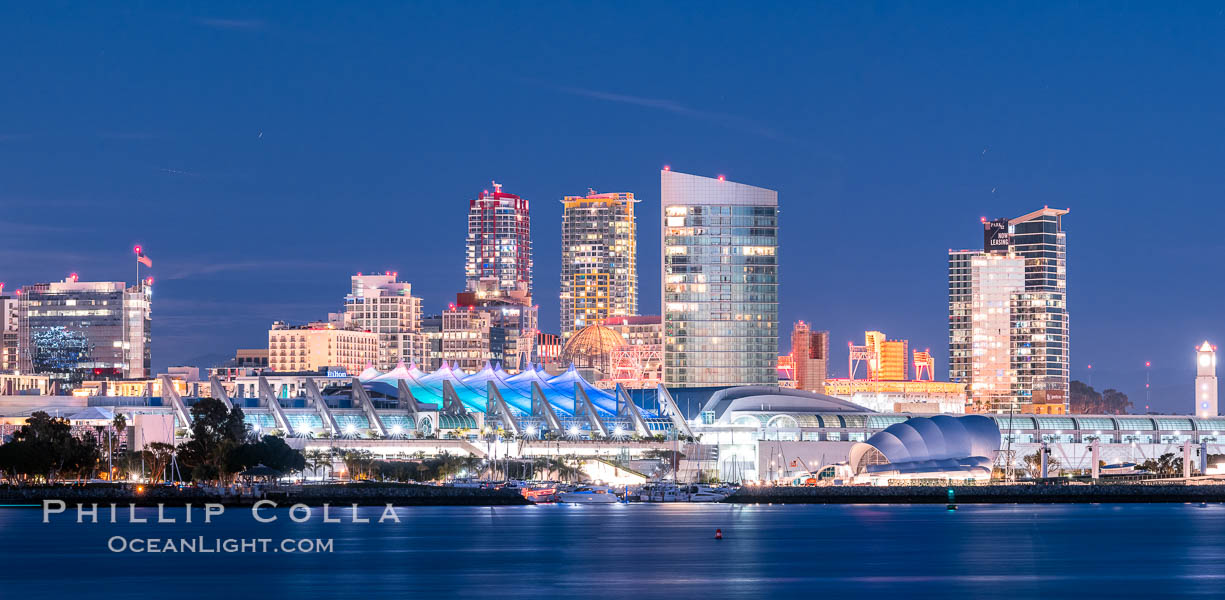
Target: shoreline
(993, 494)
(360, 494)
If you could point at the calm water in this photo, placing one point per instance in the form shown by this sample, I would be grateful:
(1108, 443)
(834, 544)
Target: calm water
(647, 551)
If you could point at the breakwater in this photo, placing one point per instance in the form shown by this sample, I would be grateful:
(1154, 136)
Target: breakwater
(980, 494)
(365, 494)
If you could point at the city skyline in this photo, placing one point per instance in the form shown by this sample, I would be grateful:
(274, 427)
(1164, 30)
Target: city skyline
(207, 193)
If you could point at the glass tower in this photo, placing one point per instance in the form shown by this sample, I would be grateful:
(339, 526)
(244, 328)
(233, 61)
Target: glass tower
(76, 330)
(1039, 313)
(720, 282)
(599, 265)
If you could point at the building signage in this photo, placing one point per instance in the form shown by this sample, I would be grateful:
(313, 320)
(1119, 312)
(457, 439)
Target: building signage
(995, 236)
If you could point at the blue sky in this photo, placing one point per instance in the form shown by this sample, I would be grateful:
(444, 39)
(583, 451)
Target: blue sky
(888, 129)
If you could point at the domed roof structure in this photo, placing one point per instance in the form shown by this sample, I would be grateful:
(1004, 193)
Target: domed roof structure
(930, 446)
(592, 347)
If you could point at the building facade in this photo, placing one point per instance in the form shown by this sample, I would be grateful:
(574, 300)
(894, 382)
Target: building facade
(309, 347)
(720, 281)
(809, 357)
(981, 289)
(599, 265)
(499, 253)
(9, 312)
(76, 330)
(385, 306)
(888, 360)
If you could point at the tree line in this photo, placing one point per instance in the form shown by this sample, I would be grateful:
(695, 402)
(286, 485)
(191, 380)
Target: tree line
(45, 450)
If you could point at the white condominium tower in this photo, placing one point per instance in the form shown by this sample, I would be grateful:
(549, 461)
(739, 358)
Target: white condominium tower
(599, 265)
(382, 305)
(720, 282)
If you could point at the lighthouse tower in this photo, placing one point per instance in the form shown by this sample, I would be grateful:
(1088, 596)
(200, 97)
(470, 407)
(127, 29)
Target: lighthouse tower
(1205, 381)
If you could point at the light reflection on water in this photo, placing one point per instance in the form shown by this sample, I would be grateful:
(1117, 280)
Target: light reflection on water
(646, 551)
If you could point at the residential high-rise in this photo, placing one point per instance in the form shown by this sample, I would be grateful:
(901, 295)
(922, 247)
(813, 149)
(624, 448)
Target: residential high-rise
(1040, 317)
(599, 265)
(810, 357)
(499, 258)
(76, 330)
(385, 306)
(981, 290)
(1205, 381)
(293, 348)
(720, 282)
(1008, 322)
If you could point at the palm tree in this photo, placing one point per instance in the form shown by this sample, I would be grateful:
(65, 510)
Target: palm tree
(119, 424)
(318, 459)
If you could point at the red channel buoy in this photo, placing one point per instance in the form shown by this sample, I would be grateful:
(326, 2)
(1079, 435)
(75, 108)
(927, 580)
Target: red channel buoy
(718, 534)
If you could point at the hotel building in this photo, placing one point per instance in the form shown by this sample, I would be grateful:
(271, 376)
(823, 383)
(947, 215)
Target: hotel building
(294, 348)
(720, 282)
(599, 268)
(1008, 325)
(499, 257)
(386, 307)
(76, 330)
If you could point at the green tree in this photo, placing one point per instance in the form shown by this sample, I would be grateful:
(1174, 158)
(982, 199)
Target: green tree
(158, 459)
(216, 432)
(318, 459)
(1033, 464)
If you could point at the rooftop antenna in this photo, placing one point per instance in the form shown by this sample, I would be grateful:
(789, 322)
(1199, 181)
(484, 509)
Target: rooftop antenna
(497, 187)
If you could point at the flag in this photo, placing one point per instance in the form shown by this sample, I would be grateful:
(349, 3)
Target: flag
(143, 259)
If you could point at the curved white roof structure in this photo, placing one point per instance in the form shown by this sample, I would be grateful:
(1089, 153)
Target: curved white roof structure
(939, 446)
(726, 402)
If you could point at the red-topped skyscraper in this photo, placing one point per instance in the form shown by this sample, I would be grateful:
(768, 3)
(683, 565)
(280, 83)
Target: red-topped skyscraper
(499, 263)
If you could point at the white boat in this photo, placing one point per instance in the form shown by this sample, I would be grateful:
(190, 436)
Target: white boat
(589, 494)
(703, 493)
(659, 492)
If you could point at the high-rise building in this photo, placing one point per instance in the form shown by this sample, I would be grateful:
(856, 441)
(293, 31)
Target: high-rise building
(1205, 381)
(499, 259)
(981, 289)
(295, 348)
(720, 282)
(1039, 314)
(809, 357)
(385, 306)
(75, 330)
(8, 333)
(599, 265)
(1008, 322)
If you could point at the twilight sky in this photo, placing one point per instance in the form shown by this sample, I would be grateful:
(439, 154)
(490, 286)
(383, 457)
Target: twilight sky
(263, 154)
